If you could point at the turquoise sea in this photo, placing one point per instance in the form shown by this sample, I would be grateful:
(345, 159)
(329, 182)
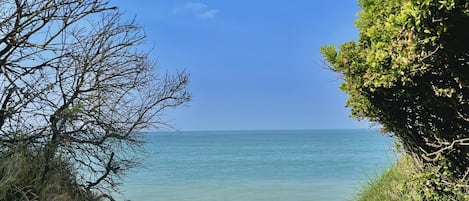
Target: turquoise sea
(286, 165)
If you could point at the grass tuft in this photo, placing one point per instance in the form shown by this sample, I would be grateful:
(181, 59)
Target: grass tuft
(22, 179)
(406, 181)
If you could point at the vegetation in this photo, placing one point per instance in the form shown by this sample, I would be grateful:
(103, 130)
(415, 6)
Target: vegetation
(391, 185)
(409, 71)
(21, 179)
(74, 95)
(406, 182)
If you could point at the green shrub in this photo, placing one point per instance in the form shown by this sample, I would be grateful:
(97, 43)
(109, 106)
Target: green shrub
(408, 181)
(409, 72)
(22, 179)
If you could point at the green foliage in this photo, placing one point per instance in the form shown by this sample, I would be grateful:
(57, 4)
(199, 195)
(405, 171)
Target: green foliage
(431, 184)
(409, 71)
(391, 186)
(22, 179)
(405, 182)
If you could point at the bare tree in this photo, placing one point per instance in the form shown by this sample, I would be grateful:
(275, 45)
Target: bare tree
(74, 85)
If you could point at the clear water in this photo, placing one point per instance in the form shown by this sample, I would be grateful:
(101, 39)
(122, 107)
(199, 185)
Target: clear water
(258, 165)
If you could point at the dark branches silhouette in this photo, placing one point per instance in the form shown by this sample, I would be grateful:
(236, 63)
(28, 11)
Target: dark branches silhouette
(74, 85)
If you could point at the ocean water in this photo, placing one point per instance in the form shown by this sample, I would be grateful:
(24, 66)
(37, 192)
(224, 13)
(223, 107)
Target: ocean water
(289, 165)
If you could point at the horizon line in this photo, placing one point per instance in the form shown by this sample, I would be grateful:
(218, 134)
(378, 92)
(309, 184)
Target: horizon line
(296, 129)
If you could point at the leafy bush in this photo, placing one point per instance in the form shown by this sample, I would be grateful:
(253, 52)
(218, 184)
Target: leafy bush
(409, 71)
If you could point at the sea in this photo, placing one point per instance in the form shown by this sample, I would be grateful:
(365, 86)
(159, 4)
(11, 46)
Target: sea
(280, 165)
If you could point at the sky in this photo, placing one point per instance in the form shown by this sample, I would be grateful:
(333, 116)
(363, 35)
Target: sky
(253, 64)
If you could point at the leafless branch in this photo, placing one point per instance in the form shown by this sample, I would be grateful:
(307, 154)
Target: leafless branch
(73, 82)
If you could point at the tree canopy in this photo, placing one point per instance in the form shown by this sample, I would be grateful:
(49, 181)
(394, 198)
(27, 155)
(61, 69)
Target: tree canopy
(409, 71)
(75, 88)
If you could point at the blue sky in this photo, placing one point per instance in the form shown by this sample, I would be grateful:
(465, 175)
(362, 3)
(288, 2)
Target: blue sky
(253, 64)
